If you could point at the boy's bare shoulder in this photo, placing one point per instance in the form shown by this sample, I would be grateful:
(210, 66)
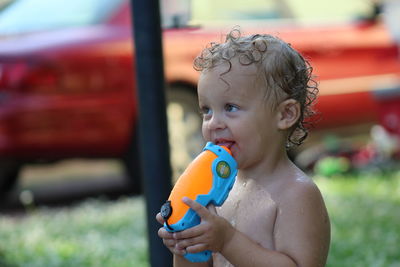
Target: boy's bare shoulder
(300, 196)
(295, 186)
(302, 227)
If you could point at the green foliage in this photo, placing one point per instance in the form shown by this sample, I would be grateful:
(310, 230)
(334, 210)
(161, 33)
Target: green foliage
(364, 212)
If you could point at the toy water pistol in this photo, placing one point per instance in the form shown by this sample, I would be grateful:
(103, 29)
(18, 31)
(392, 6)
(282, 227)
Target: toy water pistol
(208, 180)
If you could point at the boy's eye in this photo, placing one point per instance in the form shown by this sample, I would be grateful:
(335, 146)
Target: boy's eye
(231, 108)
(205, 111)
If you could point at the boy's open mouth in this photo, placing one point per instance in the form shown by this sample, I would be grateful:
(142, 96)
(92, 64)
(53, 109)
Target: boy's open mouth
(225, 143)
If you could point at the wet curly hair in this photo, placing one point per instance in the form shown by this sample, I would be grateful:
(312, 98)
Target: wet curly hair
(285, 73)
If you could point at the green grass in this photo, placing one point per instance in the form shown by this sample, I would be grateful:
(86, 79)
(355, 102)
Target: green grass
(94, 233)
(365, 216)
(364, 211)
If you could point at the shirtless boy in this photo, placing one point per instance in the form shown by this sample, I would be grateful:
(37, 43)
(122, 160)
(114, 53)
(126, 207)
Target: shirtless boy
(255, 94)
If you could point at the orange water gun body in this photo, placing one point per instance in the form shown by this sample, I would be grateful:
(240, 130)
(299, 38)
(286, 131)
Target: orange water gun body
(208, 180)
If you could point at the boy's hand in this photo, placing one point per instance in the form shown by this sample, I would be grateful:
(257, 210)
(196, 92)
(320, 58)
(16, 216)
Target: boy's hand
(168, 238)
(211, 234)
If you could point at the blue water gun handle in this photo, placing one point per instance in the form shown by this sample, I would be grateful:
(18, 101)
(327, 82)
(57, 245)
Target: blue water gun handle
(222, 185)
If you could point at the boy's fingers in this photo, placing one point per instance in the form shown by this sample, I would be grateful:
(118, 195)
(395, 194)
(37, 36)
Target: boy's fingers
(178, 251)
(159, 218)
(170, 243)
(190, 233)
(196, 248)
(198, 208)
(211, 208)
(165, 234)
(184, 243)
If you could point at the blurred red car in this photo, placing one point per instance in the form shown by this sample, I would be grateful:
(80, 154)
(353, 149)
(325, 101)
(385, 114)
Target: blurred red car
(67, 87)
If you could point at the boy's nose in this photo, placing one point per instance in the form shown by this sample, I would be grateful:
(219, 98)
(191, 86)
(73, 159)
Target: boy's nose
(216, 123)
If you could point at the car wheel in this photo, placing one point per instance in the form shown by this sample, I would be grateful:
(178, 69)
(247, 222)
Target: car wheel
(184, 127)
(9, 171)
(184, 130)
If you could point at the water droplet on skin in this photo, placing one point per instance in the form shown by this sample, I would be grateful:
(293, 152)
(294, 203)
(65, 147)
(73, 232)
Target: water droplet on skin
(237, 204)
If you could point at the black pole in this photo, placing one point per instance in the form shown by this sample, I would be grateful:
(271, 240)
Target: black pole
(153, 134)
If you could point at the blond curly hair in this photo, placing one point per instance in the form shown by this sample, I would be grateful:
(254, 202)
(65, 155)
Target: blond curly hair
(285, 73)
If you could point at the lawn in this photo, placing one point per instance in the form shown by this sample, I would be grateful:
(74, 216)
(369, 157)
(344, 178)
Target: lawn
(364, 211)
(365, 219)
(93, 233)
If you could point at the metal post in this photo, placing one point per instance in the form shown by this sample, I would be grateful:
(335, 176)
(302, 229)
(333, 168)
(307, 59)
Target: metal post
(153, 134)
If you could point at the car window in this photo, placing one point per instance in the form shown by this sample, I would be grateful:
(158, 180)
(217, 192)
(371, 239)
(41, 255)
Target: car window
(36, 15)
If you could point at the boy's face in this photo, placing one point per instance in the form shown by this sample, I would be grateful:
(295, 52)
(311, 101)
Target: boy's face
(236, 114)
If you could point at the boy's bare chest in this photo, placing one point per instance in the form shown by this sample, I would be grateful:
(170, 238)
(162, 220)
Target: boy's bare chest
(253, 212)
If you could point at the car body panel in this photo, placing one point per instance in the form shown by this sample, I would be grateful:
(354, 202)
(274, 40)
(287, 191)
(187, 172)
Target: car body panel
(72, 93)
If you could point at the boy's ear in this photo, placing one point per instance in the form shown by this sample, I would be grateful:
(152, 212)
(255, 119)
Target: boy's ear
(288, 114)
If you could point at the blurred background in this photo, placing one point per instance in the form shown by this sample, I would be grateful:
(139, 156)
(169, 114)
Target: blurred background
(70, 191)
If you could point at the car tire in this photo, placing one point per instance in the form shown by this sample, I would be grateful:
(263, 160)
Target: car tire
(184, 130)
(184, 127)
(9, 171)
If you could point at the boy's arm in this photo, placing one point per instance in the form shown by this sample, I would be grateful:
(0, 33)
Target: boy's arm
(216, 234)
(303, 227)
(180, 261)
(169, 242)
(242, 251)
(302, 233)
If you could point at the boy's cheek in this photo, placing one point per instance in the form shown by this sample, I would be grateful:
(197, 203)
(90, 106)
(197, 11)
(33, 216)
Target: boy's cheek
(206, 134)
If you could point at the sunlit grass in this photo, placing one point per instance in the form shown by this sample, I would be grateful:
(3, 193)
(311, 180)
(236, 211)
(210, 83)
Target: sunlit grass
(94, 233)
(364, 212)
(365, 217)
